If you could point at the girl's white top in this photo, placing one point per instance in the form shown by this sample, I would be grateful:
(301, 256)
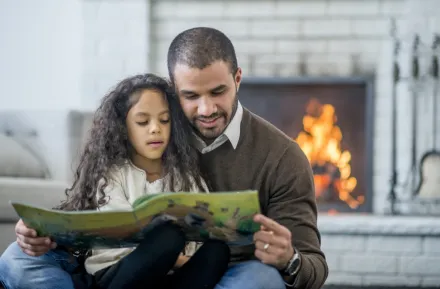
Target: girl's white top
(125, 184)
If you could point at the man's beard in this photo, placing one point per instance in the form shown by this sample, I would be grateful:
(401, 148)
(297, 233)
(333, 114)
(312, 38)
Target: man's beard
(208, 135)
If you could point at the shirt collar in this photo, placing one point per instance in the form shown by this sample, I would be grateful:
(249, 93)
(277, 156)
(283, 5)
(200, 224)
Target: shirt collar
(232, 131)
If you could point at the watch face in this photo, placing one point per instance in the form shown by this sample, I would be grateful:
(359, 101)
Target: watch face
(293, 266)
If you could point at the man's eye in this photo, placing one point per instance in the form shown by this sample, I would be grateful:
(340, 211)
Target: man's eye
(218, 92)
(190, 97)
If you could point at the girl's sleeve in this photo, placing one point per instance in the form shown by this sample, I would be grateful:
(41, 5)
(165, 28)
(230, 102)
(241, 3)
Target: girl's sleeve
(115, 196)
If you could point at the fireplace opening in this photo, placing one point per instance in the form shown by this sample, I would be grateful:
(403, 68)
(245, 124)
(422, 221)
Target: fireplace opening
(331, 120)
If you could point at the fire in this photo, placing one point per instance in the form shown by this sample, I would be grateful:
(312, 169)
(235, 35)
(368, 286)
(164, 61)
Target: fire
(321, 142)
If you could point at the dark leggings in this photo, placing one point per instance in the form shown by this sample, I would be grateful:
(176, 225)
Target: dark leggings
(148, 265)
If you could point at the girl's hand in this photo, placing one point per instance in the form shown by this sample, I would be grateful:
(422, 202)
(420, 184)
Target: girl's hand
(181, 260)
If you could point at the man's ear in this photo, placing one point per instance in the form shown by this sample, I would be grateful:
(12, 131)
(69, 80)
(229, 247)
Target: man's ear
(237, 78)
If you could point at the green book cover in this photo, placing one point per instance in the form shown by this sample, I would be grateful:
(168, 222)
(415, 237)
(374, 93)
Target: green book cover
(226, 216)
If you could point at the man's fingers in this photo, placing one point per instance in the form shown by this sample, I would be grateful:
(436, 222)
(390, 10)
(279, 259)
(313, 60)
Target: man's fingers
(271, 225)
(265, 257)
(39, 241)
(272, 239)
(32, 250)
(21, 229)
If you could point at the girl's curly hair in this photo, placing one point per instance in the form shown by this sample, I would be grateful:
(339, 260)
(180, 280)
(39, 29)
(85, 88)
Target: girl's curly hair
(108, 144)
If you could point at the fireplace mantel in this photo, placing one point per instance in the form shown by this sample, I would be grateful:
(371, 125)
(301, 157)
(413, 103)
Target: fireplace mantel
(363, 224)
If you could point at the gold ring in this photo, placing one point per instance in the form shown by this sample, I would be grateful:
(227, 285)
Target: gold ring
(266, 246)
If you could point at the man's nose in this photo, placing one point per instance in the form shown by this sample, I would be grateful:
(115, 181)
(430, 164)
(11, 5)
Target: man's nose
(206, 106)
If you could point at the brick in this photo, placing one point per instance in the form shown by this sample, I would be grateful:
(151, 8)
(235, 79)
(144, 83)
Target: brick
(343, 279)
(431, 245)
(274, 28)
(248, 9)
(332, 65)
(420, 265)
(391, 244)
(333, 261)
(371, 27)
(325, 28)
(232, 28)
(254, 46)
(392, 7)
(301, 8)
(357, 263)
(297, 46)
(400, 281)
(207, 9)
(430, 281)
(339, 243)
(166, 29)
(264, 69)
(353, 8)
(354, 46)
(187, 9)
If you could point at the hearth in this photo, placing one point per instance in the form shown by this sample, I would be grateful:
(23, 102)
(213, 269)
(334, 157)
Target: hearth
(332, 120)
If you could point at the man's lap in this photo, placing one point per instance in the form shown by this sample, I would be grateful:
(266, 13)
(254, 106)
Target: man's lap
(53, 270)
(251, 275)
(19, 270)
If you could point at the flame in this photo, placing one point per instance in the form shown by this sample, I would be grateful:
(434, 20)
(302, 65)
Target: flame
(321, 142)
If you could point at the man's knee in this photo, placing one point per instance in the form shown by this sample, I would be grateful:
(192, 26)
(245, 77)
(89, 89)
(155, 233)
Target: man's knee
(19, 270)
(251, 274)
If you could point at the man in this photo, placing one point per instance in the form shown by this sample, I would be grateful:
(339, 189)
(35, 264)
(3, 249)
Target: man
(241, 151)
(238, 151)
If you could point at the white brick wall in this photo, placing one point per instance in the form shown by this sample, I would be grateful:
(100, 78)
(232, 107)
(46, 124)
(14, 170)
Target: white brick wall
(272, 37)
(381, 250)
(116, 37)
(382, 260)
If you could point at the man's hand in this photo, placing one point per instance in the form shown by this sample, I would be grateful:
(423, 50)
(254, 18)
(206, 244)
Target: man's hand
(273, 243)
(29, 242)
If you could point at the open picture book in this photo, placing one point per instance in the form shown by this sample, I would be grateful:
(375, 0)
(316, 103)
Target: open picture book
(227, 216)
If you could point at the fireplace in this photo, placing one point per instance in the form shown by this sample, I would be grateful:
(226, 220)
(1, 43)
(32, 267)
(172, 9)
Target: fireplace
(331, 120)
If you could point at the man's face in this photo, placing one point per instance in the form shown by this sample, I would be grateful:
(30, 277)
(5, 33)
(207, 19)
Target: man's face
(208, 96)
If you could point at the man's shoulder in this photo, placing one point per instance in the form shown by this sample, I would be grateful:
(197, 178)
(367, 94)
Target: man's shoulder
(271, 137)
(266, 131)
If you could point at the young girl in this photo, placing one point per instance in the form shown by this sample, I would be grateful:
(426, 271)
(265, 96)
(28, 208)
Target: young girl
(139, 144)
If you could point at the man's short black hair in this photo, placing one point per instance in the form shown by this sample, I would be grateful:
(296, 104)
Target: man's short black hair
(199, 47)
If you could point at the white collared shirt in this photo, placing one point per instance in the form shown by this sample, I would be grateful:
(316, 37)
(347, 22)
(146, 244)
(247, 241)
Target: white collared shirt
(231, 133)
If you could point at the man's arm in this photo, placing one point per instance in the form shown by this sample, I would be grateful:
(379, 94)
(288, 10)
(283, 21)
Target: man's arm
(292, 204)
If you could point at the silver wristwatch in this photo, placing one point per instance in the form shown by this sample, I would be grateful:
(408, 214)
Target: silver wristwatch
(294, 265)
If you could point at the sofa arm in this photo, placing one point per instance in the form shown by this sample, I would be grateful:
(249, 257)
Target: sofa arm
(39, 192)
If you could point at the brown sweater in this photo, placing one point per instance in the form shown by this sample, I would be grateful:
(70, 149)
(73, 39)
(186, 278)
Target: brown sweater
(270, 162)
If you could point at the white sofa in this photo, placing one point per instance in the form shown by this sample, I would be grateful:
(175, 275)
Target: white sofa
(40, 192)
(24, 173)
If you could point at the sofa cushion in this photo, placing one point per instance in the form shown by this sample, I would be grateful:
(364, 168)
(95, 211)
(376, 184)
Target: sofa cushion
(18, 161)
(37, 192)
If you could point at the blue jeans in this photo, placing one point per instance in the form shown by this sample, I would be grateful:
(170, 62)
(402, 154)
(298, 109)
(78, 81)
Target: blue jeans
(52, 271)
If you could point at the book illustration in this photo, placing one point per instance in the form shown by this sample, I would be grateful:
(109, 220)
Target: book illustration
(226, 216)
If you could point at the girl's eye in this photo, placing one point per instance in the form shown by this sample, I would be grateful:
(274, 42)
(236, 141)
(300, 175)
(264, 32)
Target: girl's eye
(165, 120)
(142, 123)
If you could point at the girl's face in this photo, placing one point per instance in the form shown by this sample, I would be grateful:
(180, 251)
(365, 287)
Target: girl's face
(149, 124)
